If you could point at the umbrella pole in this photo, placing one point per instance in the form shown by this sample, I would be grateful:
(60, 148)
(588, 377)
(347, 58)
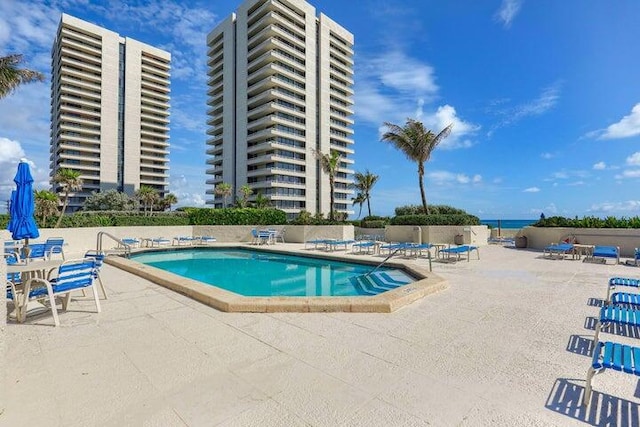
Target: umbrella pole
(26, 252)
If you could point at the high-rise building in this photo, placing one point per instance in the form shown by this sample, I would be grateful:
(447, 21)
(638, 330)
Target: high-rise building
(109, 110)
(279, 90)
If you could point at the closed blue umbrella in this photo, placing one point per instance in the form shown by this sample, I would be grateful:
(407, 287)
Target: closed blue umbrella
(21, 222)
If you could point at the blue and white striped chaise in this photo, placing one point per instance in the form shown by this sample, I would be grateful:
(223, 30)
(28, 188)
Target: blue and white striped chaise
(458, 250)
(620, 357)
(621, 281)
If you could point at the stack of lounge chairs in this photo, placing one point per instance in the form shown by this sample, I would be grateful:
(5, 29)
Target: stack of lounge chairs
(621, 309)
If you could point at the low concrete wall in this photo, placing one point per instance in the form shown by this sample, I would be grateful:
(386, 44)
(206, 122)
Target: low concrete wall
(302, 233)
(473, 235)
(79, 240)
(626, 238)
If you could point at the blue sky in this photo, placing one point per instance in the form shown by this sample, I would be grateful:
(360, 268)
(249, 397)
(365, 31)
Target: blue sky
(544, 96)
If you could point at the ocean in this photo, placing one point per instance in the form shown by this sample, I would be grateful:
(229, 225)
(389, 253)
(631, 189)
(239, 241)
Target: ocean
(508, 223)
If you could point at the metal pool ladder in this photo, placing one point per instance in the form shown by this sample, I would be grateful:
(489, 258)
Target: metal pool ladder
(127, 248)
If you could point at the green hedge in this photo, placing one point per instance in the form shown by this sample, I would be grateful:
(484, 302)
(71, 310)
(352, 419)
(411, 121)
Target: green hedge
(241, 216)
(374, 223)
(191, 216)
(589, 222)
(433, 210)
(441, 219)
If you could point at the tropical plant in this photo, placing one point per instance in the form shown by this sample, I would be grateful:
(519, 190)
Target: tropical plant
(148, 197)
(359, 200)
(245, 192)
(170, 199)
(261, 201)
(46, 205)
(110, 200)
(364, 182)
(330, 164)
(223, 190)
(69, 181)
(11, 76)
(417, 143)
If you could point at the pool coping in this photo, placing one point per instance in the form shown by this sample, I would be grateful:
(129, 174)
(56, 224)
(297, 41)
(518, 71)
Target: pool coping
(228, 301)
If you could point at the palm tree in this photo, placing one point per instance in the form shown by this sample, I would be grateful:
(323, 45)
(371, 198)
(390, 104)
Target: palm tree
(69, 181)
(359, 200)
(170, 199)
(330, 164)
(417, 143)
(224, 190)
(364, 183)
(245, 192)
(46, 205)
(261, 201)
(148, 197)
(11, 76)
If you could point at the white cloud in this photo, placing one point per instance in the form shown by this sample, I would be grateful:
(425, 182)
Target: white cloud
(547, 156)
(550, 209)
(632, 173)
(634, 159)
(627, 127)
(393, 87)
(576, 183)
(531, 190)
(443, 117)
(610, 208)
(185, 189)
(545, 101)
(600, 166)
(508, 11)
(10, 152)
(445, 177)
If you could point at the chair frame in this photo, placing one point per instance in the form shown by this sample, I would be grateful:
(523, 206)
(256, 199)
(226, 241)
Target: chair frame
(68, 280)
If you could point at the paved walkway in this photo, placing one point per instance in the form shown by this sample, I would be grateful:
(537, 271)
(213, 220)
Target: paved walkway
(507, 344)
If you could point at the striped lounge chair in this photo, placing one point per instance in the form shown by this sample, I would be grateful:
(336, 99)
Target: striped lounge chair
(610, 355)
(459, 250)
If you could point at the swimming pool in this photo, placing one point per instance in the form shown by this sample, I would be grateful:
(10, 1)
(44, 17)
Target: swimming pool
(267, 274)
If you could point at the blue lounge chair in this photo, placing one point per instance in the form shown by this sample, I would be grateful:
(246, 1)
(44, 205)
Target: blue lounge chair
(317, 242)
(159, 241)
(182, 240)
(394, 247)
(607, 252)
(72, 275)
(606, 355)
(625, 299)
(364, 245)
(559, 250)
(611, 314)
(459, 250)
(333, 245)
(205, 240)
(621, 281)
(129, 241)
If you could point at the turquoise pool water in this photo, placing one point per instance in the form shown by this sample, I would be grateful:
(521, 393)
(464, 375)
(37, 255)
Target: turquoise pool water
(257, 273)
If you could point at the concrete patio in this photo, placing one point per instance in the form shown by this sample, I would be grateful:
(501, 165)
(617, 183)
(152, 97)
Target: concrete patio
(508, 343)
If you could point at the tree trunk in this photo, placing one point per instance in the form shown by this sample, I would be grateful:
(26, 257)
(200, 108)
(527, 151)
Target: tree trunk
(421, 179)
(368, 204)
(64, 208)
(331, 196)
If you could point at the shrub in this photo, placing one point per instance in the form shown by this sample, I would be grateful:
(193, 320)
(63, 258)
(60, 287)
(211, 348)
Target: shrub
(374, 223)
(239, 216)
(433, 210)
(589, 222)
(440, 219)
